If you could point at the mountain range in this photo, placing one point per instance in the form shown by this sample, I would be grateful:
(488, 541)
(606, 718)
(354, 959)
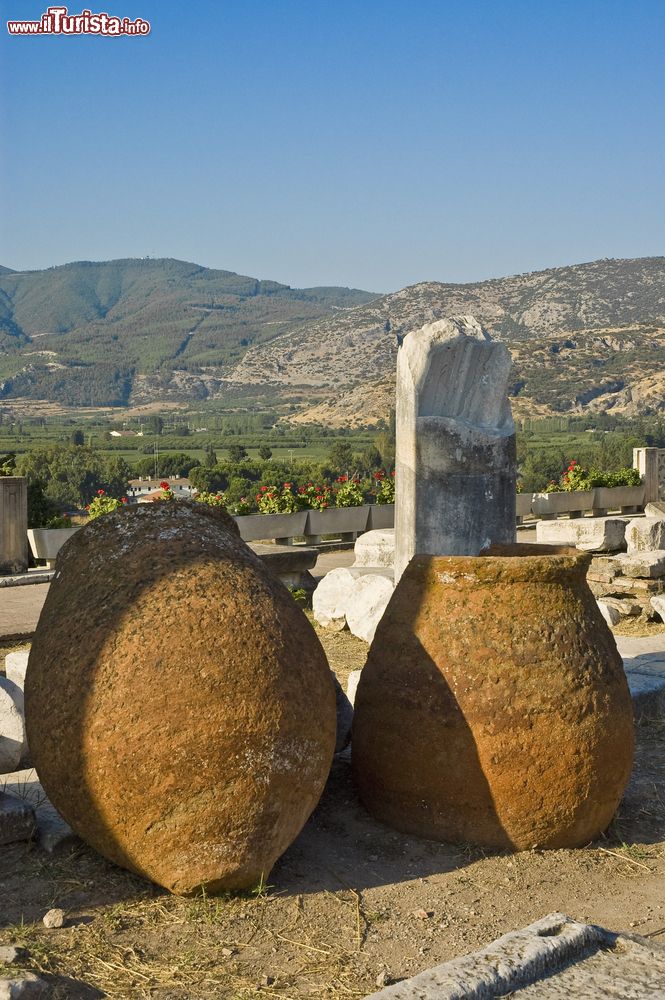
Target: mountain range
(585, 337)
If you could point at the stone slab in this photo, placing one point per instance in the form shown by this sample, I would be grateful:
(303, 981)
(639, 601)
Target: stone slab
(555, 958)
(591, 534)
(646, 565)
(17, 819)
(645, 534)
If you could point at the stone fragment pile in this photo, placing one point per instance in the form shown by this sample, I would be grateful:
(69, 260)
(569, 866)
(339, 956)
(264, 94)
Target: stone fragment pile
(356, 597)
(627, 571)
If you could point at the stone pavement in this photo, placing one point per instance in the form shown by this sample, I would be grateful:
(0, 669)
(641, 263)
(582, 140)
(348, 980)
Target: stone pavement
(20, 608)
(644, 663)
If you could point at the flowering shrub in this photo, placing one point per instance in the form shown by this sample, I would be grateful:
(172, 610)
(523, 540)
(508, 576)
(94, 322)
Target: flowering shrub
(349, 493)
(242, 507)
(211, 499)
(577, 478)
(59, 521)
(385, 487)
(103, 504)
(313, 497)
(167, 492)
(276, 500)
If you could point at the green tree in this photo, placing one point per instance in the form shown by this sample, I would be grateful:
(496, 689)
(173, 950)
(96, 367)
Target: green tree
(340, 456)
(154, 424)
(265, 453)
(237, 452)
(209, 456)
(77, 438)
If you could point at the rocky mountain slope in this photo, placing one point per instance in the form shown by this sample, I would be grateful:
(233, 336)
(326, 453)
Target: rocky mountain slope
(591, 336)
(586, 337)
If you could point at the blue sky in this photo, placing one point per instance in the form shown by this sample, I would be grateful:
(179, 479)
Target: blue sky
(362, 143)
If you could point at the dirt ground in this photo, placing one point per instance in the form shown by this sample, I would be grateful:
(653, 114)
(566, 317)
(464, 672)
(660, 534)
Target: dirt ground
(350, 900)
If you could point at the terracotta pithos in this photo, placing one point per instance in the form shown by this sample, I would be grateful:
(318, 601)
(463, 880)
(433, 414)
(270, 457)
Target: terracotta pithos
(493, 708)
(180, 708)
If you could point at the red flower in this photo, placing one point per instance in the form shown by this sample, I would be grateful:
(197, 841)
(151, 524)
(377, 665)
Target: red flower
(100, 493)
(124, 500)
(287, 486)
(378, 475)
(392, 473)
(356, 481)
(263, 489)
(164, 486)
(342, 479)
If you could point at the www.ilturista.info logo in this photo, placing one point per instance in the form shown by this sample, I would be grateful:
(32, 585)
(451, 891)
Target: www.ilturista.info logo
(58, 21)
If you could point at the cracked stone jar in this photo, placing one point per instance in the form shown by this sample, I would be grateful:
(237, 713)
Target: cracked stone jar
(494, 709)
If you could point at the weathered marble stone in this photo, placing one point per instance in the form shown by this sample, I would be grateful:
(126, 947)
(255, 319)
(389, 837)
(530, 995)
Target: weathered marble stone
(16, 665)
(657, 602)
(367, 603)
(331, 597)
(12, 726)
(644, 565)
(590, 534)
(493, 708)
(645, 534)
(455, 457)
(336, 594)
(655, 509)
(375, 548)
(181, 711)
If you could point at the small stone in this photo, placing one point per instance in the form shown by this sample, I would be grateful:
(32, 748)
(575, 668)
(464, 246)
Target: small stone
(611, 614)
(383, 979)
(17, 819)
(26, 987)
(267, 980)
(352, 685)
(423, 914)
(9, 954)
(228, 952)
(54, 918)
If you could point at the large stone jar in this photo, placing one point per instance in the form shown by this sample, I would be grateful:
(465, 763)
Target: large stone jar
(494, 708)
(180, 708)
